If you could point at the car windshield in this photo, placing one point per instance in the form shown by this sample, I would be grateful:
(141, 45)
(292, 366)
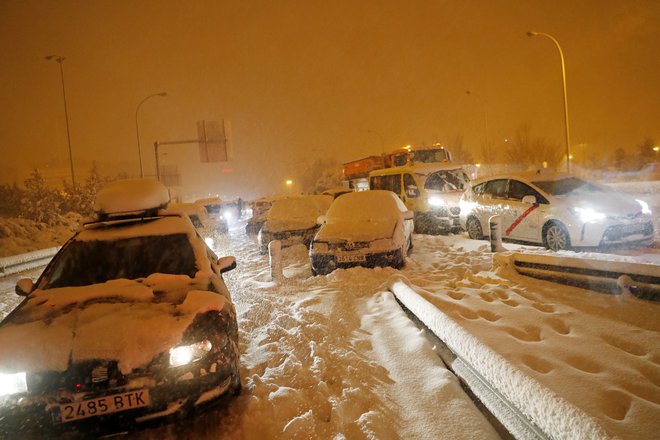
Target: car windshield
(568, 185)
(430, 156)
(360, 207)
(83, 263)
(447, 180)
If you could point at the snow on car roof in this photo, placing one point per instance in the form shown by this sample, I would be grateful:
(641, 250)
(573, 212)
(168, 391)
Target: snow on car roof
(131, 195)
(531, 176)
(419, 168)
(299, 207)
(370, 205)
(187, 208)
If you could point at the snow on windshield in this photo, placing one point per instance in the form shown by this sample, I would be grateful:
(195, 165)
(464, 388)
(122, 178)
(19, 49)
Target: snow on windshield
(447, 180)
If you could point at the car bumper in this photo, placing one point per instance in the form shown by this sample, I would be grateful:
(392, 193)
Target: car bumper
(611, 234)
(326, 263)
(287, 238)
(43, 413)
(436, 221)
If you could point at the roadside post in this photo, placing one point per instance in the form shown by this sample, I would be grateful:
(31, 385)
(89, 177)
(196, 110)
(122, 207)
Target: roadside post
(275, 256)
(495, 227)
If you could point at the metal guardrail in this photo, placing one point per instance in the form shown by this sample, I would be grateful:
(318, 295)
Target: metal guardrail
(26, 261)
(614, 277)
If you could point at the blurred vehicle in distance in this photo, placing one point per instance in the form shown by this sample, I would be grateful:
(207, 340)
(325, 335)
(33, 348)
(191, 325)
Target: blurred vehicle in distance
(366, 228)
(200, 218)
(293, 220)
(558, 211)
(431, 191)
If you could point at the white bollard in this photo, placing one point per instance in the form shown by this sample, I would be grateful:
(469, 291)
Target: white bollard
(275, 255)
(495, 226)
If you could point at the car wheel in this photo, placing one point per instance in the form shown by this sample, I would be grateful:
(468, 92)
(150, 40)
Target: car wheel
(473, 227)
(555, 237)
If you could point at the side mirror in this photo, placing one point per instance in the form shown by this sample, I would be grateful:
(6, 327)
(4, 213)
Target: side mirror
(530, 200)
(24, 287)
(225, 264)
(320, 220)
(409, 215)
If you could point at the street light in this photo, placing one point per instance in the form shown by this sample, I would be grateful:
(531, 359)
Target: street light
(563, 76)
(60, 59)
(137, 127)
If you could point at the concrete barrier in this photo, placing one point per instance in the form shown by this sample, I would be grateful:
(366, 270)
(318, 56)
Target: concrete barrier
(26, 261)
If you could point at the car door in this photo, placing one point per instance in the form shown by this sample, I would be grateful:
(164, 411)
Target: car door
(492, 202)
(523, 219)
(410, 193)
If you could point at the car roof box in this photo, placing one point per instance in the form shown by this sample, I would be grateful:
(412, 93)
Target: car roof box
(131, 198)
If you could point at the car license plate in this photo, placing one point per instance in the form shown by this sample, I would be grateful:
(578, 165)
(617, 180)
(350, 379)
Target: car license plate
(68, 412)
(351, 258)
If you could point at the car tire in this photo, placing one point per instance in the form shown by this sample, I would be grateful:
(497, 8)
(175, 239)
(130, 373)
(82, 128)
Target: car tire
(555, 237)
(473, 228)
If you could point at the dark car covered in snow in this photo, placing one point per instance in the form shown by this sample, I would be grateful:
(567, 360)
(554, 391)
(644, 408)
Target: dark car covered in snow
(293, 220)
(131, 321)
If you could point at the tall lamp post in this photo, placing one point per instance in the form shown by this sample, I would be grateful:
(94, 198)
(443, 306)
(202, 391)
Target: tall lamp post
(137, 127)
(60, 59)
(563, 77)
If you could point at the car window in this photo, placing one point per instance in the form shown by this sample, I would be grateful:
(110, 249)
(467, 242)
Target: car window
(496, 188)
(518, 190)
(479, 189)
(194, 218)
(410, 185)
(83, 263)
(389, 183)
(568, 185)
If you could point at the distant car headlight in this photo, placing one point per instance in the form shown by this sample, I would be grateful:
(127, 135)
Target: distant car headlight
(185, 354)
(587, 215)
(645, 206)
(12, 384)
(229, 216)
(436, 201)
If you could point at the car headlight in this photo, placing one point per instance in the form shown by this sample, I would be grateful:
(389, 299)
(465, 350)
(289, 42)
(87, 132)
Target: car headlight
(436, 201)
(645, 206)
(185, 354)
(12, 384)
(587, 215)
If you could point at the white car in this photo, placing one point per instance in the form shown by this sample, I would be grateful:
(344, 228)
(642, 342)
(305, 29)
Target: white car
(200, 218)
(558, 211)
(129, 322)
(293, 220)
(366, 228)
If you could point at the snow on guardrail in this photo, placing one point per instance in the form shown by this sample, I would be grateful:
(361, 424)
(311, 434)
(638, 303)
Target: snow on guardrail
(26, 261)
(639, 279)
(556, 417)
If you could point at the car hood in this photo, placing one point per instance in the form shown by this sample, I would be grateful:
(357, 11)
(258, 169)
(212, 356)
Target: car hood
(356, 231)
(123, 320)
(612, 204)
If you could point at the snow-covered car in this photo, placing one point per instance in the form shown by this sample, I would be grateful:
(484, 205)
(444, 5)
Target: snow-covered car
(200, 218)
(260, 208)
(558, 211)
(214, 208)
(293, 220)
(336, 192)
(367, 228)
(130, 321)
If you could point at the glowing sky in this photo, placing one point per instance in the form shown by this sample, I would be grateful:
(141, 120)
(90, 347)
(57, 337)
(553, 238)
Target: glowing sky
(300, 79)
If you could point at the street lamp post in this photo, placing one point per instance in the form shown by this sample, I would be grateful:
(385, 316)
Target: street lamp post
(60, 59)
(563, 77)
(137, 127)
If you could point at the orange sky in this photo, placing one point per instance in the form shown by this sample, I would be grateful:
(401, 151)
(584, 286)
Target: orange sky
(311, 78)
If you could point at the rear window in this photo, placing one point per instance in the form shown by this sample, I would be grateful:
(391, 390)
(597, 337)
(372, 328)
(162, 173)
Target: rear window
(82, 263)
